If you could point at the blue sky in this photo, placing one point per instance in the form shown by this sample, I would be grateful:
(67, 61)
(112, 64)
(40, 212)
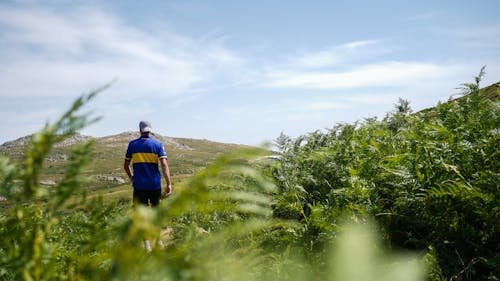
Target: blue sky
(237, 71)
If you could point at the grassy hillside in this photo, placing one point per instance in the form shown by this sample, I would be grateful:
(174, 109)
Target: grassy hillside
(492, 91)
(105, 173)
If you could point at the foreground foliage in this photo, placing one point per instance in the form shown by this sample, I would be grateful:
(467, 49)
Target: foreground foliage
(431, 180)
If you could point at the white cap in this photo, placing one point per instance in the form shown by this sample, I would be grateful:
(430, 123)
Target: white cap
(145, 126)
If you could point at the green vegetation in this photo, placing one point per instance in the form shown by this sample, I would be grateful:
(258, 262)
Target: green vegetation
(430, 179)
(350, 203)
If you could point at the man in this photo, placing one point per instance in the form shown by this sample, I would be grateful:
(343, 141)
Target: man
(145, 153)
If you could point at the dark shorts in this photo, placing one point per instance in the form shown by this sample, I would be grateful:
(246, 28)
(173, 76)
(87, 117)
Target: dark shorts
(147, 197)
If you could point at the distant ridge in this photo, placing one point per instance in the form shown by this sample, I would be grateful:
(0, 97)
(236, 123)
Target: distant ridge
(185, 156)
(23, 141)
(128, 136)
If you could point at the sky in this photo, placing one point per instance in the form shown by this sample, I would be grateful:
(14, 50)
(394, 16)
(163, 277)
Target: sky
(237, 71)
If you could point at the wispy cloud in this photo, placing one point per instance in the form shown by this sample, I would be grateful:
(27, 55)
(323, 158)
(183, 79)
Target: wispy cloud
(352, 65)
(383, 74)
(332, 56)
(88, 48)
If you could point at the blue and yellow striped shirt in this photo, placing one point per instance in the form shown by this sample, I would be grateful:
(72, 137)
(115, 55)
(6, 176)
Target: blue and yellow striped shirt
(145, 153)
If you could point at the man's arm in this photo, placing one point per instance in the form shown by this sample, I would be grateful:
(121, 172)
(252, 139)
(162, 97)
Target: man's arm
(126, 166)
(166, 174)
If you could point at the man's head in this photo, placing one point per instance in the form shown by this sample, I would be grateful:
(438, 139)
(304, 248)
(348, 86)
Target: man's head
(145, 127)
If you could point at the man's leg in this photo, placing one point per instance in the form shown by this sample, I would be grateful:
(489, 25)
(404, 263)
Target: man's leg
(154, 197)
(141, 197)
(147, 245)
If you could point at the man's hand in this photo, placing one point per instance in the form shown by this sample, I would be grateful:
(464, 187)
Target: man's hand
(168, 191)
(166, 175)
(126, 166)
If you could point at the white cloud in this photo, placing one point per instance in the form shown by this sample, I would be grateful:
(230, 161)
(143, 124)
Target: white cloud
(383, 74)
(358, 44)
(331, 56)
(353, 65)
(319, 59)
(52, 54)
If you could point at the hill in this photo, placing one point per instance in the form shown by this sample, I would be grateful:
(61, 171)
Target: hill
(491, 92)
(105, 172)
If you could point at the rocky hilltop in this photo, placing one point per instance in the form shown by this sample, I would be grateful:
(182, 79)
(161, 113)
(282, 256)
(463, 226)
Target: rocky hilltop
(185, 156)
